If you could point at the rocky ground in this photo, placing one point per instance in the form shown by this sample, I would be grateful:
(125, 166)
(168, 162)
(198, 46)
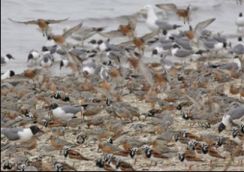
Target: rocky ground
(186, 104)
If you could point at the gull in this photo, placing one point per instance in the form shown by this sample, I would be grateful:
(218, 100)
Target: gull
(235, 64)
(213, 44)
(184, 13)
(163, 48)
(6, 58)
(66, 112)
(43, 24)
(234, 113)
(22, 134)
(184, 42)
(7, 74)
(239, 48)
(240, 23)
(155, 24)
(47, 59)
(177, 51)
(33, 56)
(88, 67)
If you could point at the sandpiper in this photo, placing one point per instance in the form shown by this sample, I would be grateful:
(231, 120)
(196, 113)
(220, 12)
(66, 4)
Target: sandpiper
(43, 24)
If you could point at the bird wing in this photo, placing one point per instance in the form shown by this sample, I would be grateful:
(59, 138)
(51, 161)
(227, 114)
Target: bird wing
(50, 21)
(183, 53)
(239, 49)
(72, 30)
(228, 66)
(167, 6)
(202, 25)
(149, 35)
(11, 133)
(71, 109)
(236, 113)
(24, 22)
(111, 34)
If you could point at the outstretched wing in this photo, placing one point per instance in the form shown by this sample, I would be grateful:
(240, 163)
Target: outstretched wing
(167, 6)
(72, 30)
(202, 25)
(150, 35)
(24, 22)
(56, 21)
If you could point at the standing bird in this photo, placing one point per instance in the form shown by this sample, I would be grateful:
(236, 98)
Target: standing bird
(238, 49)
(22, 134)
(182, 13)
(240, 23)
(60, 39)
(7, 74)
(47, 59)
(6, 58)
(43, 24)
(66, 112)
(33, 56)
(233, 114)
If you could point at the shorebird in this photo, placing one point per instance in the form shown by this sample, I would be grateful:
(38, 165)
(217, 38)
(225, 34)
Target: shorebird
(122, 30)
(239, 48)
(154, 23)
(240, 23)
(234, 113)
(33, 56)
(60, 39)
(47, 59)
(194, 34)
(7, 74)
(85, 33)
(22, 134)
(72, 154)
(184, 13)
(43, 24)
(66, 112)
(235, 64)
(6, 59)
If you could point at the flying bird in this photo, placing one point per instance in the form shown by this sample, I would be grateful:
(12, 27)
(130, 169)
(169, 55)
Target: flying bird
(43, 24)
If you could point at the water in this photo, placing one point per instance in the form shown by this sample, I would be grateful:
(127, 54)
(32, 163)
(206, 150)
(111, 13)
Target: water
(19, 39)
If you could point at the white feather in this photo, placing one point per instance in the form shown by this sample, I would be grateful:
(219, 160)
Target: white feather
(25, 134)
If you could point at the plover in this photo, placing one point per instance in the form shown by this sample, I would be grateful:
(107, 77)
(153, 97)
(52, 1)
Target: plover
(7, 74)
(43, 24)
(22, 134)
(6, 59)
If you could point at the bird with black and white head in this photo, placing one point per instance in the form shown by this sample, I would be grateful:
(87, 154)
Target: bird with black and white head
(21, 134)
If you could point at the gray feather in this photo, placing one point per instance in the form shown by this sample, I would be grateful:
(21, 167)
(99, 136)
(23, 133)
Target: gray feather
(236, 113)
(71, 109)
(11, 133)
